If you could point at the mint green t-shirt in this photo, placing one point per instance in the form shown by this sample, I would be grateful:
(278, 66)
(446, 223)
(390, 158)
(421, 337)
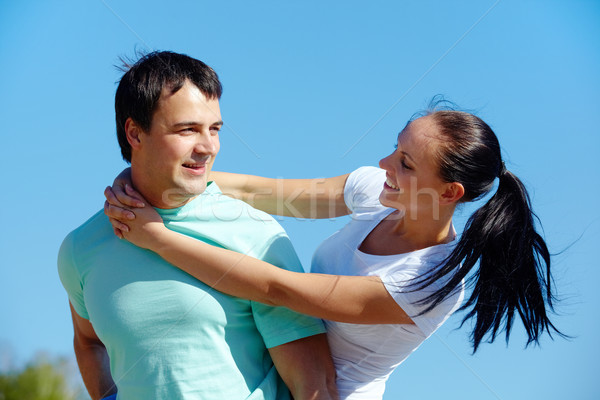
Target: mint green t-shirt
(168, 335)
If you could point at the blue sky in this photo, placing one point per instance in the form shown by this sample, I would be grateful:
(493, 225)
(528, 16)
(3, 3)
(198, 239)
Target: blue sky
(314, 90)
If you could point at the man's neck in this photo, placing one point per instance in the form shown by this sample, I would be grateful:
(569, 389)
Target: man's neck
(162, 198)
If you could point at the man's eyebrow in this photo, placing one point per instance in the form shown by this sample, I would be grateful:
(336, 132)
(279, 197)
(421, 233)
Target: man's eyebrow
(191, 123)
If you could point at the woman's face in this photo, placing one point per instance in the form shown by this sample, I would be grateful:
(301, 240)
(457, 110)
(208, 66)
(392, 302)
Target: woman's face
(413, 183)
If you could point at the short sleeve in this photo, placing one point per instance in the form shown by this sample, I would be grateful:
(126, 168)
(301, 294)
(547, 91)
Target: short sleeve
(279, 325)
(362, 189)
(398, 285)
(70, 277)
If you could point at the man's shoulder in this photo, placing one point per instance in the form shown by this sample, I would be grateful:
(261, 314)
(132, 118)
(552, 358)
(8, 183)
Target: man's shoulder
(229, 223)
(94, 229)
(77, 246)
(215, 205)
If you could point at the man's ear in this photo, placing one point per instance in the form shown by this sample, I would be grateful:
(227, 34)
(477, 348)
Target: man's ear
(133, 132)
(453, 192)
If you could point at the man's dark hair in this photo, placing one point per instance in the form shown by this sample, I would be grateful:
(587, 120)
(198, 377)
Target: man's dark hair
(140, 88)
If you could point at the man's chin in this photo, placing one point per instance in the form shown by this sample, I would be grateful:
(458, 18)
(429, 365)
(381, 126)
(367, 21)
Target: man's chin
(177, 197)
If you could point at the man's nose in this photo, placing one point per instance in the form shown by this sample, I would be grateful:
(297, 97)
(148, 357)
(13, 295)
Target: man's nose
(206, 143)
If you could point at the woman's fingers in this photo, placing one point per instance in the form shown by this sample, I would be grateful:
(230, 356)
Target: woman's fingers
(119, 226)
(123, 196)
(135, 195)
(129, 198)
(118, 233)
(111, 197)
(116, 212)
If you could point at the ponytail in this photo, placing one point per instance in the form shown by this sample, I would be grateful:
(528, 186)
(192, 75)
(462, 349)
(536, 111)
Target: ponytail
(513, 273)
(514, 266)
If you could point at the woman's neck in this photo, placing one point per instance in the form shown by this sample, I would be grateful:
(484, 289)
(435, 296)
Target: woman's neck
(396, 234)
(421, 232)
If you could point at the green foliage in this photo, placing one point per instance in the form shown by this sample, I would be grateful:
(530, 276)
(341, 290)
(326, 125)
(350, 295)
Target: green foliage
(41, 379)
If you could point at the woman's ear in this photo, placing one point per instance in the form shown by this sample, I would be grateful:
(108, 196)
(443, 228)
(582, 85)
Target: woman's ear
(452, 193)
(133, 132)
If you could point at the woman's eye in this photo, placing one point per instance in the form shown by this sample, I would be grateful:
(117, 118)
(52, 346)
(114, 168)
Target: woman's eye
(405, 166)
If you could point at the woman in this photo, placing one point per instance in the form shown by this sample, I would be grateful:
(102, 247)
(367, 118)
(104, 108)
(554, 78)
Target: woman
(394, 274)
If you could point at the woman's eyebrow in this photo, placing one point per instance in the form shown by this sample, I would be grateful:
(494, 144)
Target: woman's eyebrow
(409, 157)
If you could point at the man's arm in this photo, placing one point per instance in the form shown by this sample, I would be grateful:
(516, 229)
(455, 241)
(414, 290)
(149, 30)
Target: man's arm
(306, 367)
(92, 359)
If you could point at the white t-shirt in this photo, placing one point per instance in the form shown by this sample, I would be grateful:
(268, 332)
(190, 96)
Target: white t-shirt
(365, 355)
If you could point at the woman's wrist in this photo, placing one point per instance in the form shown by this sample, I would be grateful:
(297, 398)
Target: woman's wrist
(162, 239)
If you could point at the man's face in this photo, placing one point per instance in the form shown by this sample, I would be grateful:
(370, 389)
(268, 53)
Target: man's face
(172, 161)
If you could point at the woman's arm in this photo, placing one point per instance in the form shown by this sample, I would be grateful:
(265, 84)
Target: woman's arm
(353, 299)
(301, 198)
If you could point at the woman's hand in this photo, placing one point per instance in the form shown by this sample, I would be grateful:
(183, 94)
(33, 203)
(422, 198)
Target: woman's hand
(124, 197)
(131, 217)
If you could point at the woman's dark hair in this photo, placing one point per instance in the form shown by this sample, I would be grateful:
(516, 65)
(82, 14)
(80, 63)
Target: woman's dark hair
(514, 261)
(140, 88)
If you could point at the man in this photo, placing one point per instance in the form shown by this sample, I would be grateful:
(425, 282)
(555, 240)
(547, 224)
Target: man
(164, 334)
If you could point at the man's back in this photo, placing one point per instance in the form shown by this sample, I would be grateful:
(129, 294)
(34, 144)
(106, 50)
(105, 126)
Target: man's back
(167, 334)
